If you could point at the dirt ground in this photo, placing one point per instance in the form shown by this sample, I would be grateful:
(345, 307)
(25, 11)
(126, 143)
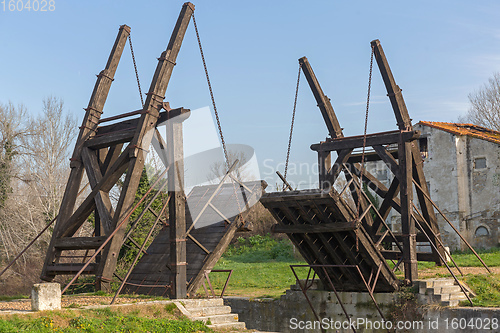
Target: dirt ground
(431, 272)
(68, 301)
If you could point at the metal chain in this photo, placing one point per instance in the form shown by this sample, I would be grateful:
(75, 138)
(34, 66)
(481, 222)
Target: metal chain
(135, 68)
(291, 126)
(364, 134)
(211, 94)
(228, 165)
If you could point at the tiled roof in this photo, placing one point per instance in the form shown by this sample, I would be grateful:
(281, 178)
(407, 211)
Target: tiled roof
(465, 129)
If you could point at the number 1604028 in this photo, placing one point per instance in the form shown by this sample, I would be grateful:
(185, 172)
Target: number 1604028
(28, 5)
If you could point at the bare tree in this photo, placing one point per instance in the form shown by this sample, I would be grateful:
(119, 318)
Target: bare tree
(219, 169)
(485, 105)
(13, 129)
(47, 154)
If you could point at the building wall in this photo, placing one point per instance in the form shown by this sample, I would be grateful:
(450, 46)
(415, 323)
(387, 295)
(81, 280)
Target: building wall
(467, 192)
(484, 194)
(463, 175)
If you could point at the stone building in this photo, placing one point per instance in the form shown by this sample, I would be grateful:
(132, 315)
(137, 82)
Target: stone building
(462, 169)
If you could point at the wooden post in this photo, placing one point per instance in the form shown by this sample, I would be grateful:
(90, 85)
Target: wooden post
(407, 223)
(404, 124)
(177, 209)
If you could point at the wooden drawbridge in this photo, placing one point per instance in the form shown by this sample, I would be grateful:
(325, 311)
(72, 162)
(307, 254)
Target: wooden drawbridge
(341, 229)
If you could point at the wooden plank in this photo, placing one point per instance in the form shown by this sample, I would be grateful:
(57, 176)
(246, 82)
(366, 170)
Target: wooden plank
(70, 268)
(317, 248)
(110, 139)
(352, 142)
(79, 243)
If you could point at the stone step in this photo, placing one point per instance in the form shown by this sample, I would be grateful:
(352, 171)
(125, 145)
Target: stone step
(442, 290)
(455, 296)
(210, 311)
(447, 290)
(218, 319)
(453, 302)
(434, 283)
(202, 303)
(225, 326)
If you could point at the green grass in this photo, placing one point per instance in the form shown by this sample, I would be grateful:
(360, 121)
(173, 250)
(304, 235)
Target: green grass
(11, 298)
(155, 318)
(467, 259)
(487, 289)
(261, 267)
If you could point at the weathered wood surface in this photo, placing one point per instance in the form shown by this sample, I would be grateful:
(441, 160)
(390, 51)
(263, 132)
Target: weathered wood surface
(87, 130)
(352, 142)
(316, 210)
(213, 233)
(140, 144)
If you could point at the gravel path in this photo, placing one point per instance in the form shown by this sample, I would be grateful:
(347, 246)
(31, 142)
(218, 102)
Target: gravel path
(66, 301)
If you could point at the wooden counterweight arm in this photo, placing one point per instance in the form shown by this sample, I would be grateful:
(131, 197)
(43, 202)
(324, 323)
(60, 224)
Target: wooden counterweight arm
(393, 90)
(323, 101)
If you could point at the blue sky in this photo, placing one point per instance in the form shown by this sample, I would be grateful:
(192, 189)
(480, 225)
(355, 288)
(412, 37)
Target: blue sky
(439, 52)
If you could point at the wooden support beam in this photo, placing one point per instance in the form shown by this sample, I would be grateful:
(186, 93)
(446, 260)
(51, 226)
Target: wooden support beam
(102, 201)
(393, 90)
(111, 139)
(112, 155)
(314, 228)
(177, 210)
(396, 255)
(142, 140)
(88, 128)
(370, 157)
(79, 243)
(352, 142)
(371, 181)
(407, 223)
(323, 101)
(388, 159)
(83, 211)
(336, 168)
